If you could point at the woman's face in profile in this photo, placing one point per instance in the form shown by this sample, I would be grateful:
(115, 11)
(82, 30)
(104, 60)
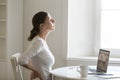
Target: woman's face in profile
(49, 23)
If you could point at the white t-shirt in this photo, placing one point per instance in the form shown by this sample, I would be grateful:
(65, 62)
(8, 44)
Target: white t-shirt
(40, 55)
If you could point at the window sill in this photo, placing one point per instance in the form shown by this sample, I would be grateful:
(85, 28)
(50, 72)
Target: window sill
(90, 61)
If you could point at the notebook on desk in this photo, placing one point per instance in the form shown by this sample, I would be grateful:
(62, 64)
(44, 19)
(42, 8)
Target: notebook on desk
(102, 63)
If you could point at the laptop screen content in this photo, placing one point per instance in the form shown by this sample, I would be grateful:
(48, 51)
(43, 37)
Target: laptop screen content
(103, 59)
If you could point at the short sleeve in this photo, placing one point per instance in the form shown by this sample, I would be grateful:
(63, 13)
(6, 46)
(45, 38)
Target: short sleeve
(34, 48)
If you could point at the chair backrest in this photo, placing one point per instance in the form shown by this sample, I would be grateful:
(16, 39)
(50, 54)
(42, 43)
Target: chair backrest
(16, 67)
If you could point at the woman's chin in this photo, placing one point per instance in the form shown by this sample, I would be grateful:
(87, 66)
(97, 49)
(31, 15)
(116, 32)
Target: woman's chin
(53, 29)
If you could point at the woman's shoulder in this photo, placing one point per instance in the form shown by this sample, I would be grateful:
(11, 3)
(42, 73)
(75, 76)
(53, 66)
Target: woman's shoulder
(37, 40)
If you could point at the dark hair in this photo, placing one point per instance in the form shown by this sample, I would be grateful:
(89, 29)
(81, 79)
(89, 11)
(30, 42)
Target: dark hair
(38, 18)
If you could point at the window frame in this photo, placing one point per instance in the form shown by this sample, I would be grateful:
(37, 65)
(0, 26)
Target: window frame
(98, 11)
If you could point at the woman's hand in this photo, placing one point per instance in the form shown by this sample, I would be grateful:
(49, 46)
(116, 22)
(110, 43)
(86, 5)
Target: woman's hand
(35, 75)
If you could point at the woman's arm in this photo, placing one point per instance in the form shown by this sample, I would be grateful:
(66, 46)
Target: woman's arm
(29, 66)
(25, 58)
(34, 73)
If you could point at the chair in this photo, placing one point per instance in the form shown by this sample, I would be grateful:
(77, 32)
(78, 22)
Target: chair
(16, 67)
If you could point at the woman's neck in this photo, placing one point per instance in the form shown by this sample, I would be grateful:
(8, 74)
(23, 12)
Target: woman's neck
(44, 35)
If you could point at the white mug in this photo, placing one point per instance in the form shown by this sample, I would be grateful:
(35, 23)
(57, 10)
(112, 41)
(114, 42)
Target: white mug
(84, 71)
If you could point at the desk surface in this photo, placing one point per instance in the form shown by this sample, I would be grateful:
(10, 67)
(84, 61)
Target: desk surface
(71, 72)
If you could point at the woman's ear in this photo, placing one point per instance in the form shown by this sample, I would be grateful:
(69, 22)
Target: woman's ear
(41, 25)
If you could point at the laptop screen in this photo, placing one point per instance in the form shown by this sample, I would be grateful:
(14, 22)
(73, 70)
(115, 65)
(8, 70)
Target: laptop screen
(103, 59)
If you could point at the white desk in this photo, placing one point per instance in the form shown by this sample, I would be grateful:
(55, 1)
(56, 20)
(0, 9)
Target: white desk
(71, 73)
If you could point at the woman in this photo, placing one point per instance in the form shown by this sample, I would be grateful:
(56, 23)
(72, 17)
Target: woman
(37, 56)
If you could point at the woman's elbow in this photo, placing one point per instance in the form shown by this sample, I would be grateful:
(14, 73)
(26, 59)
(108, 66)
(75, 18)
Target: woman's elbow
(22, 62)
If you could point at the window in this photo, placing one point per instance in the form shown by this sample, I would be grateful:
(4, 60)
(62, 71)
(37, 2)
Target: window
(93, 25)
(110, 26)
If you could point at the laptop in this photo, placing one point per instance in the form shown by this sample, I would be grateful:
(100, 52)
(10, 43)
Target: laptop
(102, 63)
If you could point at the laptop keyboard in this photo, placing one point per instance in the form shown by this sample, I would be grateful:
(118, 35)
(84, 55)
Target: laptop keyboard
(92, 69)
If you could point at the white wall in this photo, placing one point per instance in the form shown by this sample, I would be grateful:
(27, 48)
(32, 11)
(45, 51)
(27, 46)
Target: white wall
(81, 28)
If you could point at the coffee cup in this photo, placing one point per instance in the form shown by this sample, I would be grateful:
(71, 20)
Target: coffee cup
(84, 71)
